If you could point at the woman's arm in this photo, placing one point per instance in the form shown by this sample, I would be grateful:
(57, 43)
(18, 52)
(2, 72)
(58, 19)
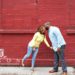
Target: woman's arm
(46, 42)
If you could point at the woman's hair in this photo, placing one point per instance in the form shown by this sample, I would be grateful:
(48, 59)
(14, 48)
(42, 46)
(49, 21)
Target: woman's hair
(40, 29)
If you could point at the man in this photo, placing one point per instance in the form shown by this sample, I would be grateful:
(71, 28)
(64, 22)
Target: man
(58, 44)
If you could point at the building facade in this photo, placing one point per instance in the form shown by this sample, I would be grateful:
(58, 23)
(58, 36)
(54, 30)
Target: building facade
(19, 20)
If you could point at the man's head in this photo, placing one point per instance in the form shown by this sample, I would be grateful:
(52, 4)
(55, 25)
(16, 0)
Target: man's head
(47, 25)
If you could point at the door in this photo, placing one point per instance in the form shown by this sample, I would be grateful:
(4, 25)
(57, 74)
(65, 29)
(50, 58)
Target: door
(19, 20)
(62, 14)
(70, 52)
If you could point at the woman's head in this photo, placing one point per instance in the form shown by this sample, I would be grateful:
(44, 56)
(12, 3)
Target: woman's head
(41, 29)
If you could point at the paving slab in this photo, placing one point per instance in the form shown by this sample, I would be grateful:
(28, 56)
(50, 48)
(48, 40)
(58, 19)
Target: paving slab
(28, 71)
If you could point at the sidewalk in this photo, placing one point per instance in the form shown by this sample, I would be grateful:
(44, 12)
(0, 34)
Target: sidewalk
(27, 71)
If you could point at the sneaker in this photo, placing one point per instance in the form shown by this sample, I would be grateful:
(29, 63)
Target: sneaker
(64, 73)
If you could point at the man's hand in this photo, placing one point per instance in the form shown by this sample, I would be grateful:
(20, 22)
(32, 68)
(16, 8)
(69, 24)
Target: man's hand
(58, 50)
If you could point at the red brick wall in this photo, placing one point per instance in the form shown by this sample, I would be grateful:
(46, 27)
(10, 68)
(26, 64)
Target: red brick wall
(19, 19)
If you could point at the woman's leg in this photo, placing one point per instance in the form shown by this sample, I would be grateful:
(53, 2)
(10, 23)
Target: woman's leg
(29, 51)
(34, 54)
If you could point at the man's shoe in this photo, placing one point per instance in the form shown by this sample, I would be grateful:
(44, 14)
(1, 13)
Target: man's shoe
(64, 73)
(52, 71)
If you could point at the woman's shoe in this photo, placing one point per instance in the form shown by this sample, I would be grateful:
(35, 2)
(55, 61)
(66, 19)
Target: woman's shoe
(32, 69)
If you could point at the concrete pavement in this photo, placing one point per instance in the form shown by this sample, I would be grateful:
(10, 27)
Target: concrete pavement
(27, 71)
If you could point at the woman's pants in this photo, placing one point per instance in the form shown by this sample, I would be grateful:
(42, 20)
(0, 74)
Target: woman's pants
(30, 51)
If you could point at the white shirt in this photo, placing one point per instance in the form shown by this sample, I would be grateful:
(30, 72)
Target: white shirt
(56, 37)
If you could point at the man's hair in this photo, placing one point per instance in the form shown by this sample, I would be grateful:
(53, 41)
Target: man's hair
(46, 25)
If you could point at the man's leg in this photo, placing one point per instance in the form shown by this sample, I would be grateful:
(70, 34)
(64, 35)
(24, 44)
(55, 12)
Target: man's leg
(56, 61)
(64, 67)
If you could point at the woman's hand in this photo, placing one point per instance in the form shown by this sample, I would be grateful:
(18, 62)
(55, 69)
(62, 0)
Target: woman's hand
(51, 47)
(34, 48)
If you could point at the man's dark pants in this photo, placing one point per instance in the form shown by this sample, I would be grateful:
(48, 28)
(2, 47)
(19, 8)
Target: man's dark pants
(57, 56)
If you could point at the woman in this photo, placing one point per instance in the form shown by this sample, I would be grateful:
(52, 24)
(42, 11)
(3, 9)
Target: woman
(34, 44)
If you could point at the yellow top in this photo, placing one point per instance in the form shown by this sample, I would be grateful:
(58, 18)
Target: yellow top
(37, 40)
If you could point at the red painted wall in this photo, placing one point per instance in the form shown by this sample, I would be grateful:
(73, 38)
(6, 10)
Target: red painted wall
(19, 20)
